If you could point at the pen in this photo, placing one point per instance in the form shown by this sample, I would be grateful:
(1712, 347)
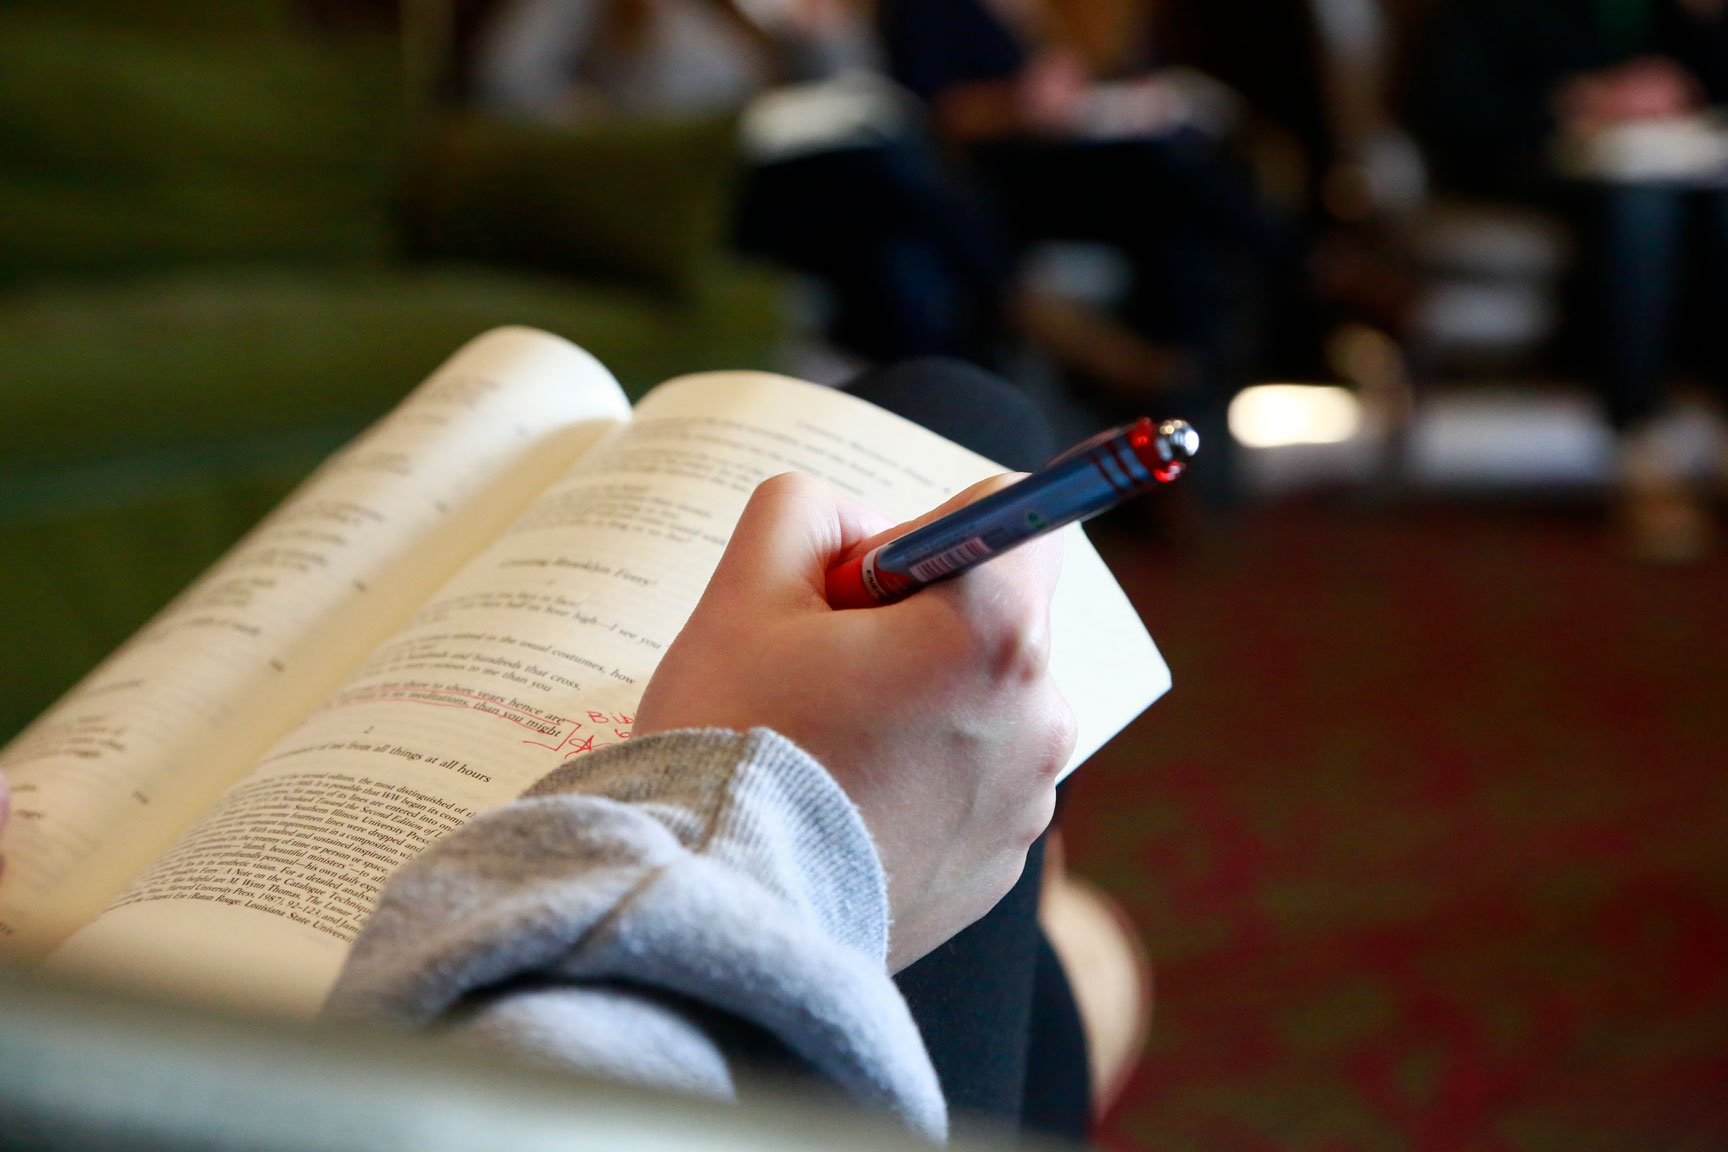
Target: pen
(1085, 480)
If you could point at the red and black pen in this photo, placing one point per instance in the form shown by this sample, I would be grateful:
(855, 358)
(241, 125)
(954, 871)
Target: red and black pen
(1084, 481)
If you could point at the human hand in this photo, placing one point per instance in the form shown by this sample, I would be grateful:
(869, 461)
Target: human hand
(1053, 90)
(1644, 88)
(5, 810)
(936, 715)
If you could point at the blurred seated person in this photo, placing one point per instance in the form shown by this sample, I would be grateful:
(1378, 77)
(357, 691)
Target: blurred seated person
(1131, 158)
(840, 186)
(1599, 110)
(766, 877)
(731, 890)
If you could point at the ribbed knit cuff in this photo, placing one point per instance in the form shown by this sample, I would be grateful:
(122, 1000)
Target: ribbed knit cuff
(758, 802)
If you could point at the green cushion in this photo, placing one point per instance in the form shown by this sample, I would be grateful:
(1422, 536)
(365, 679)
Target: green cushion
(170, 15)
(124, 146)
(93, 370)
(85, 570)
(645, 202)
(144, 426)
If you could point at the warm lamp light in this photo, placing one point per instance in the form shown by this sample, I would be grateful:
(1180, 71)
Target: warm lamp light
(1272, 415)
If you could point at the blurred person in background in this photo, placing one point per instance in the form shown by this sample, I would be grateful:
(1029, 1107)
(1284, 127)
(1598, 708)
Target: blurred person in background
(1075, 134)
(840, 185)
(1599, 109)
(864, 910)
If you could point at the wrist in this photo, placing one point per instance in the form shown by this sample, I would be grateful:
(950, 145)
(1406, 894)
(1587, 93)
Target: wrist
(757, 802)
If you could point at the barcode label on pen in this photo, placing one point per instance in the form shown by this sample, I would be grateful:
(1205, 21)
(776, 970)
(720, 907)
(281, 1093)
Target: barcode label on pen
(954, 558)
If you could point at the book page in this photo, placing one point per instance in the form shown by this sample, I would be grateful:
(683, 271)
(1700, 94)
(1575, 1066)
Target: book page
(536, 652)
(121, 766)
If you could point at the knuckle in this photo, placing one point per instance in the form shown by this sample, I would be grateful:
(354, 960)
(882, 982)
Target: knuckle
(1064, 735)
(1051, 734)
(785, 486)
(1020, 652)
(1040, 811)
(1068, 722)
(1010, 634)
(767, 504)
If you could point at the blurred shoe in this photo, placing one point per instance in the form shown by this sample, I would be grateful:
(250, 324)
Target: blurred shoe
(1108, 970)
(1671, 526)
(1661, 516)
(1111, 357)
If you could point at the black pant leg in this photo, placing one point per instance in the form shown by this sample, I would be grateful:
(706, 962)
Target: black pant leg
(992, 1004)
(1632, 242)
(913, 270)
(1058, 1094)
(972, 998)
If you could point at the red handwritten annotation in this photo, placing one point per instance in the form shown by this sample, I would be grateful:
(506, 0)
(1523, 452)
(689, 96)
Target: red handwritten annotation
(573, 736)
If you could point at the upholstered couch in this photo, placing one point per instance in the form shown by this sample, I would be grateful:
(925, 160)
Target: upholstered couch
(225, 246)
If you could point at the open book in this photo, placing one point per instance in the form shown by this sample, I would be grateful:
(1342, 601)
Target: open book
(471, 593)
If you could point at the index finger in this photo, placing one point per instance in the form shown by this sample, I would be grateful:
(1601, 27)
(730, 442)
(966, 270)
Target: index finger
(793, 530)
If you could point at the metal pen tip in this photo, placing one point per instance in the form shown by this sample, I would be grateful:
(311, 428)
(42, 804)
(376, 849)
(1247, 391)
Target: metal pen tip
(1175, 442)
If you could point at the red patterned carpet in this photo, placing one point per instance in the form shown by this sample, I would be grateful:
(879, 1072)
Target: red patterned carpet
(1430, 842)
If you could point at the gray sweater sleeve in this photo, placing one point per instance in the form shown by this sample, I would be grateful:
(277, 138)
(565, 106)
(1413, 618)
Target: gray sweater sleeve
(625, 915)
